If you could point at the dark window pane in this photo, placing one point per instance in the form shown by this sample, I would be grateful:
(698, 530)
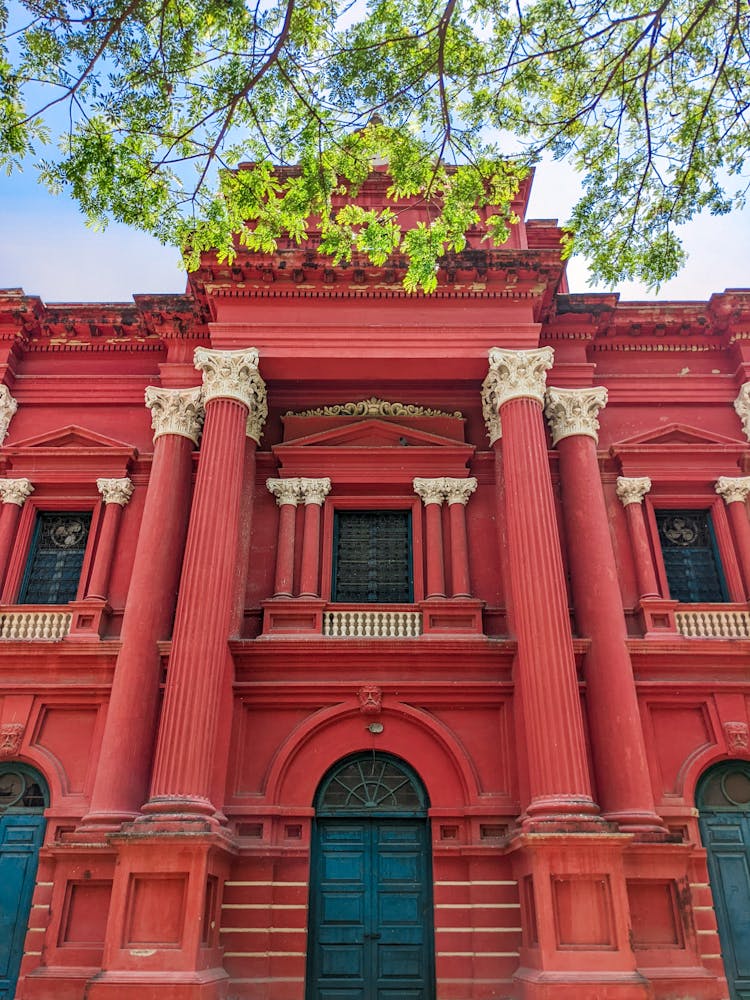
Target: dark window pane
(372, 557)
(690, 556)
(56, 558)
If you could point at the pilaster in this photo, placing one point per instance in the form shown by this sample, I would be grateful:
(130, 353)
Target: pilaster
(313, 493)
(631, 492)
(431, 492)
(734, 491)
(287, 494)
(13, 494)
(115, 494)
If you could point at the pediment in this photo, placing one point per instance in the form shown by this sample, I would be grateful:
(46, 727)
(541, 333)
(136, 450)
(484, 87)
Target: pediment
(674, 434)
(372, 433)
(71, 436)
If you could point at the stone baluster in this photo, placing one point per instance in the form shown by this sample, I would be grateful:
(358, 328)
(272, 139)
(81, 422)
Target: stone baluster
(631, 493)
(314, 493)
(626, 796)
(545, 671)
(457, 493)
(124, 764)
(14, 494)
(734, 492)
(199, 676)
(287, 493)
(431, 492)
(115, 493)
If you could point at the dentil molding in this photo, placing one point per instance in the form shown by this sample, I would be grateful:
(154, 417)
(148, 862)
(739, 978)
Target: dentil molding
(235, 375)
(573, 412)
(176, 411)
(733, 489)
(115, 490)
(8, 407)
(742, 406)
(632, 490)
(15, 491)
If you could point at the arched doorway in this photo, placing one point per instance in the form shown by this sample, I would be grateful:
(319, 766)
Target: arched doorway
(370, 925)
(23, 798)
(723, 798)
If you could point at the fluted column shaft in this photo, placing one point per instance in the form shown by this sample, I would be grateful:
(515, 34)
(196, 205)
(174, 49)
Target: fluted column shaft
(13, 494)
(617, 745)
(631, 493)
(247, 505)
(124, 764)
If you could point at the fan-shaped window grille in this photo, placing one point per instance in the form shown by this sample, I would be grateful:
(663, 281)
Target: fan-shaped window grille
(726, 787)
(21, 789)
(371, 783)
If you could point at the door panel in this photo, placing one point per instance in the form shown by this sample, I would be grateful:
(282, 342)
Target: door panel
(370, 929)
(727, 839)
(20, 839)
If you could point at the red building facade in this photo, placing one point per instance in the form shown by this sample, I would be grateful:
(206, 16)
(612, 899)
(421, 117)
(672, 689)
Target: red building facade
(396, 649)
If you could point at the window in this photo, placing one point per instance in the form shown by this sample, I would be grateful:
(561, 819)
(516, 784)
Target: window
(691, 558)
(55, 559)
(372, 557)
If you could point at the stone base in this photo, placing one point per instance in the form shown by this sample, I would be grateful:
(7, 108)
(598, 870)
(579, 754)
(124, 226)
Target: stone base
(209, 984)
(532, 984)
(56, 983)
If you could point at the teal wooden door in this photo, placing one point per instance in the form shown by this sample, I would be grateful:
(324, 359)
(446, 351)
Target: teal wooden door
(21, 832)
(370, 928)
(724, 802)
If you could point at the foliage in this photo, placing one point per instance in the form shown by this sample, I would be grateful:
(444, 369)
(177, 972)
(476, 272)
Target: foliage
(153, 103)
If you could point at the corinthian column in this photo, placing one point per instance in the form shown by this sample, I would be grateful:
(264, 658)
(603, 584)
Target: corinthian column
(431, 492)
(115, 493)
(734, 492)
(457, 493)
(13, 493)
(631, 492)
(314, 493)
(287, 496)
(127, 747)
(545, 671)
(625, 794)
(200, 672)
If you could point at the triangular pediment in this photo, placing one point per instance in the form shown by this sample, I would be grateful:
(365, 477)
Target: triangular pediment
(371, 433)
(676, 435)
(70, 437)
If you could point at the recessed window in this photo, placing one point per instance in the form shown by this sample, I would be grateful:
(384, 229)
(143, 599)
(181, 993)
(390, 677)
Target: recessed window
(55, 558)
(691, 557)
(372, 557)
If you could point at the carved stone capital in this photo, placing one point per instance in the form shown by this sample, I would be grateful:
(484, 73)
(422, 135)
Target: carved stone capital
(520, 374)
(574, 411)
(8, 407)
(235, 375)
(176, 411)
(632, 490)
(742, 406)
(285, 490)
(115, 490)
(458, 490)
(430, 490)
(11, 738)
(314, 490)
(733, 490)
(491, 406)
(15, 491)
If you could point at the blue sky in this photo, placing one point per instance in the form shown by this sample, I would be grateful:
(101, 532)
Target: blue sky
(47, 249)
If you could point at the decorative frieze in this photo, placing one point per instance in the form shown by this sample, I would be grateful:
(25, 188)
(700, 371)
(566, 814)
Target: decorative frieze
(286, 491)
(117, 491)
(373, 407)
(742, 406)
(176, 411)
(632, 490)
(520, 374)
(15, 491)
(235, 375)
(314, 491)
(574, 411)
(8, 407)
(733, 489)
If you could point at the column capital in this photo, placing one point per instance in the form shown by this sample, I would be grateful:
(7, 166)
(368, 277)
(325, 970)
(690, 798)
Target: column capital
(117, 491)
(15, 491)
(733, 489)
(632, 490)
(8, 406)
(235, 375)
(458, 490)
(742, 407)
(491, 406)
(314, 490)
(285, 490)
(521, 374)
(176, 411)
(573, 412)
(430, 490)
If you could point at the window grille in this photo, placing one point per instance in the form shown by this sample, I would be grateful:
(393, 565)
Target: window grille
(372, 557)
(370, 783)
(56, 557)
(690, 556)
(19, 790)
(726, 787)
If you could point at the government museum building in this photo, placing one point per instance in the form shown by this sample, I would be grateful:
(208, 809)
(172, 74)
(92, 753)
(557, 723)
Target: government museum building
(359, 645)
